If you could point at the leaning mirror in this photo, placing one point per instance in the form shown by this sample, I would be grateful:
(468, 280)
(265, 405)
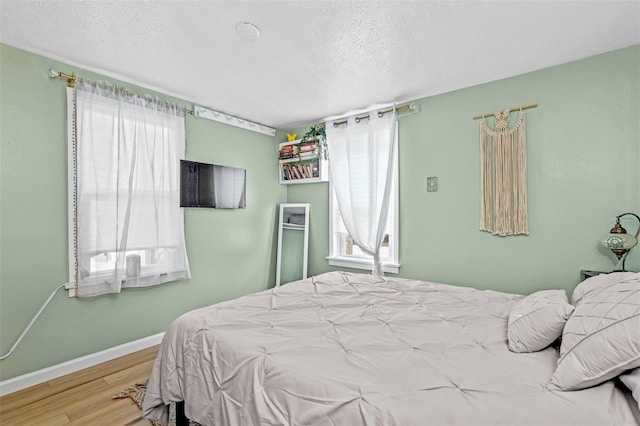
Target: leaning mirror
(293, 243)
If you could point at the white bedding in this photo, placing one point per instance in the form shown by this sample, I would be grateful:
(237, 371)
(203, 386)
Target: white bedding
(351, 349)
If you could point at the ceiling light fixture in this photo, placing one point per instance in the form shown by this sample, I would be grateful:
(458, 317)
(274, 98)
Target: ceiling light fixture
(247, 31)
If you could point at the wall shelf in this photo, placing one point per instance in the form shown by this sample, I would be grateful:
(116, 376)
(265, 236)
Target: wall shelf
(301, 163)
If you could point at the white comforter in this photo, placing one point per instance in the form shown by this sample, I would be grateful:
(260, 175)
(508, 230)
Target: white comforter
(351, 349)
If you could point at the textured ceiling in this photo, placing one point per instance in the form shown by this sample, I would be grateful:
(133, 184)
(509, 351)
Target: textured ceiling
(315, 59)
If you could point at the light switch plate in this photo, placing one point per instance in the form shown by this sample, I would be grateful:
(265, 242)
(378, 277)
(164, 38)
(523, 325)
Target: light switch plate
(432, 184)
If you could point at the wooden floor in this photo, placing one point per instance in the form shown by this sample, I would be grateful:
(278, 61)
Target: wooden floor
(82, 398)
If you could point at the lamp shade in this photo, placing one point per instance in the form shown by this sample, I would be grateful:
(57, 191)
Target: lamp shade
(618, 241)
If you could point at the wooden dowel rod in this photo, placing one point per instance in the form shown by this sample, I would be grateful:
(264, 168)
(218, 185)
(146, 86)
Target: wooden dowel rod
(510, 110)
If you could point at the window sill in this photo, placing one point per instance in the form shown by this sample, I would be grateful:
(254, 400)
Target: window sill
(345, 262)
(148, 277)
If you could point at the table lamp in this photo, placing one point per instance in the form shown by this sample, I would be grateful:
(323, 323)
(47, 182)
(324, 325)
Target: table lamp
(618, 241)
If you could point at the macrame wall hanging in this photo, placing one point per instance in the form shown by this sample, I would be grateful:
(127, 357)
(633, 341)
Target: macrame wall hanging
(504, 175)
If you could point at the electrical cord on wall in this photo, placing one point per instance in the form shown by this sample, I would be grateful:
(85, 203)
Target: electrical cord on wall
(15, 345)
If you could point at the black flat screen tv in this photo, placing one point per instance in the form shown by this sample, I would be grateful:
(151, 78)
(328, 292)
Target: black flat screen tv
(211, 185)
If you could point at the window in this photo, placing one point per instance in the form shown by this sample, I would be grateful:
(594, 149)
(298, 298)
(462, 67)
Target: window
(125, 222)
(342, 250)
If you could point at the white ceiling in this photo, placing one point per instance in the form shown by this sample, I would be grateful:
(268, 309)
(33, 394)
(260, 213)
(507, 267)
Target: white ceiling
(314, 59)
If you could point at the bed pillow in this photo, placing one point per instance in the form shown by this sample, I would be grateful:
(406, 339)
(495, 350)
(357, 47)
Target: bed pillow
(632, 381)
(601, 338)
(537, 321)
(596, 282)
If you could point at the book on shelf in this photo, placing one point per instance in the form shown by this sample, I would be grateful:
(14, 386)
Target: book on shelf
(299, 171)
(303, 156)
(288, 151)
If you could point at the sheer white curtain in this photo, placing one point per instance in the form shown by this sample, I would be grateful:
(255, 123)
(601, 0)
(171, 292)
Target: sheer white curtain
(361, 165)
(129, 227)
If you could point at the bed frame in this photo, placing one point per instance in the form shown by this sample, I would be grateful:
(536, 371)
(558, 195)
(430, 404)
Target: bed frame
(181, 418)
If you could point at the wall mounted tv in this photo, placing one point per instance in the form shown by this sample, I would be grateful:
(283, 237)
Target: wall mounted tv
(211, 185)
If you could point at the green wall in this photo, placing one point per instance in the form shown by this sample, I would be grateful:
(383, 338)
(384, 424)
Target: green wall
(583, 162)
(231, 252)
(583, 158)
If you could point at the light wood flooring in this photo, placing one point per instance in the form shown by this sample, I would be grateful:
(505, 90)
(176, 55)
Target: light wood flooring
(82, 398)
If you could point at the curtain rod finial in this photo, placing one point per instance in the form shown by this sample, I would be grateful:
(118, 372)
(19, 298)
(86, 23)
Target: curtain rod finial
(53, 73)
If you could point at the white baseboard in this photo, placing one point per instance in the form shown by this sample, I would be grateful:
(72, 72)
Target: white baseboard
(40, 376)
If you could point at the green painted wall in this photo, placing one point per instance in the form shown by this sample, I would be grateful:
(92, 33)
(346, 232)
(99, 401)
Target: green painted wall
(231, 252)
(583, 160)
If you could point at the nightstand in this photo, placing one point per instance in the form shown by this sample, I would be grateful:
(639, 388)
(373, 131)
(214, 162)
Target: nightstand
(588, 274)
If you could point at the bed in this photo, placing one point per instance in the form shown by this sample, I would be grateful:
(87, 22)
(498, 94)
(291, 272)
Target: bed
(353, 349)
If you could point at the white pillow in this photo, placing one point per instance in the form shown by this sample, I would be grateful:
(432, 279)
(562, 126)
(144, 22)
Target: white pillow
(632, 381)
(597, 282)
(602, 337)
(537, 321)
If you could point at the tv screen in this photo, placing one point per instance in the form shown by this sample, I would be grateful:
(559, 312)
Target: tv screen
(211, 185)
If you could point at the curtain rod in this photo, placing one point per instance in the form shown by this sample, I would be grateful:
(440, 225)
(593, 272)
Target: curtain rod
(71, 78)
(411, 106)
(510, 110)
(197, 111)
